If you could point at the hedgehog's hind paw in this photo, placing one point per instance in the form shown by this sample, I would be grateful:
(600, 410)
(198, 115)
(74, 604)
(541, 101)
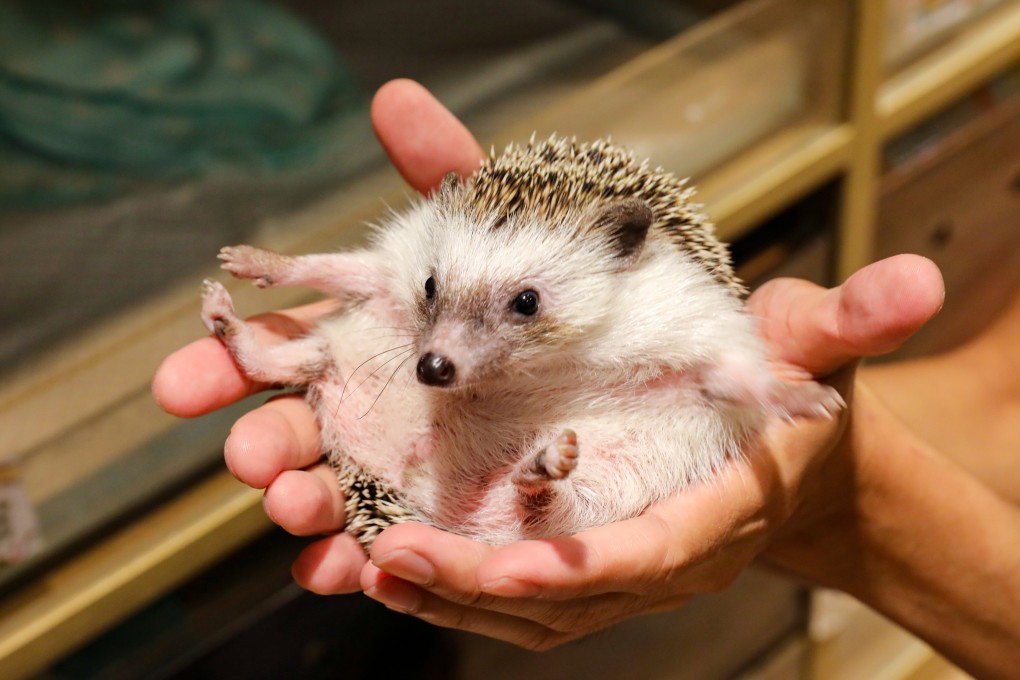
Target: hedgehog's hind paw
(217, 308)
(552, 463)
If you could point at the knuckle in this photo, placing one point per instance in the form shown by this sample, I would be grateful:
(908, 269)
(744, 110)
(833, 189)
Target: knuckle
(446, 617)
(713, 577)
(474, 598)
(456, 617)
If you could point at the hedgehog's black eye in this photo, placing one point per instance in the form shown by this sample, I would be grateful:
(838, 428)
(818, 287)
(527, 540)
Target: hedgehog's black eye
(526, 303)
(430, 288)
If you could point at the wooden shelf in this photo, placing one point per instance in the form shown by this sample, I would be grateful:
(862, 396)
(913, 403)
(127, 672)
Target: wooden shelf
(78, 390)
(773, 175)
(126, 569)
(959, 66)
(73, 602)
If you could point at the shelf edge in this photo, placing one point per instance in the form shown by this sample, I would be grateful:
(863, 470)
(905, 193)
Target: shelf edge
(72, 603)
(820, 159)
(981, 51)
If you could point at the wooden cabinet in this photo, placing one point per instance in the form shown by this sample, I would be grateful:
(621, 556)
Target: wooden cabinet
(961, 208)
(765, 103)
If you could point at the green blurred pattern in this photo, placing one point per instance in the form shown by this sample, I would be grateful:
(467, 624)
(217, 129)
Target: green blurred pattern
(96, 97)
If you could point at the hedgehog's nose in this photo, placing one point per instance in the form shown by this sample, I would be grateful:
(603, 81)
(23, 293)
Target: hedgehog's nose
(435, 370)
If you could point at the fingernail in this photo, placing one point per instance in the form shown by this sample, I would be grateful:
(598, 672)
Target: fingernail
(400, 597)
(510, 587)
(408, 565)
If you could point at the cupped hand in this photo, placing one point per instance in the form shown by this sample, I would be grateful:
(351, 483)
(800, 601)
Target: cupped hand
(539, 594)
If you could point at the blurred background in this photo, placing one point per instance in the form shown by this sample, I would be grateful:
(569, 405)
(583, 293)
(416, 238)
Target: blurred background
(139, 136)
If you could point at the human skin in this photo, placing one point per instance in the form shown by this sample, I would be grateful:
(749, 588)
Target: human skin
(831, 501)
(966, 401)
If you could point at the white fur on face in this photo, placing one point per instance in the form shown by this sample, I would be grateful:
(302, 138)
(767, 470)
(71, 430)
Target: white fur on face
(480, 269)
(662, 309)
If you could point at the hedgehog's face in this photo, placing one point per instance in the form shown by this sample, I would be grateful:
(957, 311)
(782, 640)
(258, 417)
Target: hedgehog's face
(495, 304)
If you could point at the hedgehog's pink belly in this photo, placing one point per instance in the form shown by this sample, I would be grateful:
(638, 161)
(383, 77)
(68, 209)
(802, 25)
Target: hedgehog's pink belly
(405, 461)
(371, 408)
(383, 436)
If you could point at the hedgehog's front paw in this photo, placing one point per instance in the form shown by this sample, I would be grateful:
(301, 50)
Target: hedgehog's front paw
(807, 399)
(248, 262)
(217, 308)
(555, 461)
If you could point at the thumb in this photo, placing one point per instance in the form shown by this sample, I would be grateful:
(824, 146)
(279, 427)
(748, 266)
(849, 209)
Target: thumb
(873, 312)
(422, 138)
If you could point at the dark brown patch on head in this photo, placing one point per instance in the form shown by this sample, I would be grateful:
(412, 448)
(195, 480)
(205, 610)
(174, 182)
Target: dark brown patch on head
(469, 305)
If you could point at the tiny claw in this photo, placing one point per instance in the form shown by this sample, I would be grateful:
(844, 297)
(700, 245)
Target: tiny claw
(248, 262)
(554, 462)
(806, 399)
(217, 308)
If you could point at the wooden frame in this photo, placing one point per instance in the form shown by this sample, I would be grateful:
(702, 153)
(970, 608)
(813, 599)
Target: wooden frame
(76, 600)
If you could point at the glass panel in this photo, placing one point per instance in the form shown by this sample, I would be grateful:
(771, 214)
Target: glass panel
(914, 27)
(730, 83)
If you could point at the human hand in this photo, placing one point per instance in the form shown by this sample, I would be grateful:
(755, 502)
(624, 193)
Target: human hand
(542, 593)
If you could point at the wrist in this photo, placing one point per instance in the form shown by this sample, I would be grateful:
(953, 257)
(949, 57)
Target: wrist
(910, 534)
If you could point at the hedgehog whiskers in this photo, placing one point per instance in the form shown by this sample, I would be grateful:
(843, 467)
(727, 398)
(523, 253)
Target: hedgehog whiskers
(409, 353)
(343, 392)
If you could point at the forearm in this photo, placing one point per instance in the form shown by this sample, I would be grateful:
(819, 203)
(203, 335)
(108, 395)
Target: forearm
(923, 542)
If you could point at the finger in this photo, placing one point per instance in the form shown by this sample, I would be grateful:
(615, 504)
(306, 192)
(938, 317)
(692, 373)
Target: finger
(306, 503)
(871, 313)
(283, 434)
(620, 557)
(445, 565)
(199, 378)
(202, 377)
(408, 598)
(476, 574)
(422, 138)
(431, 558)
(542, 625)
(330, 566)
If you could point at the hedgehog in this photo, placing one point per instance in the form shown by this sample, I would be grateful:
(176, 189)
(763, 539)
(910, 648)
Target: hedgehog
(549, 345)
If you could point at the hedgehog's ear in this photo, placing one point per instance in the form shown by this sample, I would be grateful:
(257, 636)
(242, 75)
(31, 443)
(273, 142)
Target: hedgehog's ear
(625, 223)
